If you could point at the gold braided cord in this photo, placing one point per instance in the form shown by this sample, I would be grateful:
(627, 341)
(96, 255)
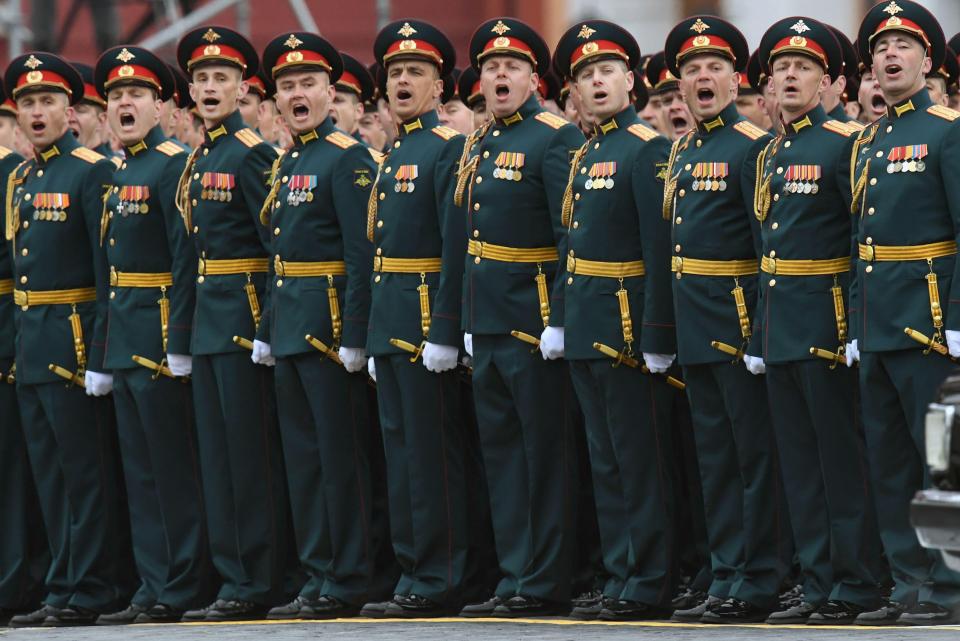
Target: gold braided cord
(566, 208)
(12, 214)
(182, 197)
(272, 194)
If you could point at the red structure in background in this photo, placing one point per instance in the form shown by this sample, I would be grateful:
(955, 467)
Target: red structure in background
(350, 24)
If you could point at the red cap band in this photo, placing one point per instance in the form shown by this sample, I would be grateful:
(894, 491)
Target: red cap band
(705, 44)
(300, 57)
(216, 52)
(413, 48)
(510, 46)
(37, 78)
(127, 74)
(350, 82)
(800, 44)
(894, 23)
(596, 48)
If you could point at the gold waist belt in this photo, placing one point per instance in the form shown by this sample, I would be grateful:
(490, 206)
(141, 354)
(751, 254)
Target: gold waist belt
(511, 254)
(288, 268)
(55, 296)
(225, 267)
(785, 267)
(406, 265)
(6, 286)
(582, 267)
(885, 253)
(699, 267)
(133, 279)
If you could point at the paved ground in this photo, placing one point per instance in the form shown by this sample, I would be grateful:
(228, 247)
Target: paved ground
(479, 630)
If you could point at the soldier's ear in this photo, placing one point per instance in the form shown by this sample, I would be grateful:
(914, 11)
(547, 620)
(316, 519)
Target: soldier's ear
(926, 65)
(631, 79)
(243, 89)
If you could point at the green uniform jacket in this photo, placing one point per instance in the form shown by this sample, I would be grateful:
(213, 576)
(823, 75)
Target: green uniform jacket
(225, 223)
(621, 223)
(809, 173)
(714, 224)
(419, 221)
(8, 161)
(335, 173)
(502, 296)
(145, 234)
(911, 207)
(59, 202)
(840, 114)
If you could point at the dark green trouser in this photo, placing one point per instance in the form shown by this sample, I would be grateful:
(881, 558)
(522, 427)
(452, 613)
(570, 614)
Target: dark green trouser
(72, 442)
(825, 475)
(627, 417)
(895, 389)
(420, 418)
(24, 556)
(244, 483)
(158, 444)
(523, 412)
(747, 523)
(328, 443)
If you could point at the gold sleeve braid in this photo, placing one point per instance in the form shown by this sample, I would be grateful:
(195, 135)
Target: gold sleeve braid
(467, 166)
(182, 197)
(566, 207)
(272, 194)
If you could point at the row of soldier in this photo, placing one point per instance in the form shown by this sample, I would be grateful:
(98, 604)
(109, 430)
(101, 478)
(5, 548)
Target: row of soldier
(235, 306)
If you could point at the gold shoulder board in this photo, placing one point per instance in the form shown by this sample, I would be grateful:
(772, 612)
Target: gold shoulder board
(642, 132)
(86, 154)
(445, 132)
(750, 130)
(838, 127)
(341, 140)
(4, 152)
(169, 148)
(944, 112)
(551, 120)
(376, 155)
(249, 137)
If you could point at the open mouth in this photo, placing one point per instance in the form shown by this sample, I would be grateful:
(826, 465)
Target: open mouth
(300, 111)
(878, 103)
(38, 127)
(210, 102)
(127, 120)
(705, 95)
(892, 69)
(403, 94)
(790, 90)
(333, 117)
(678, 122)
(502, 91)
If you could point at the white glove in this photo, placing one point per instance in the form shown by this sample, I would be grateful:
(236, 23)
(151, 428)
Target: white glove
(852, 352)
(658, 363)
(953, 342)
(468, 344)
(439, 358)
(372, 369)
(98, 384)
(180, 364)
(755, 364)
(261, 354)
(354, 358)
(551, 343)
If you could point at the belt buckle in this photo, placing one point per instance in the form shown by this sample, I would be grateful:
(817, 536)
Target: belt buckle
(678, 264)
(480, 245)
(21, 298)
(202, 266)
(278, 266)
(377, 264)
(773, 265)
(114, 279)
(571, 264)
(871, 253)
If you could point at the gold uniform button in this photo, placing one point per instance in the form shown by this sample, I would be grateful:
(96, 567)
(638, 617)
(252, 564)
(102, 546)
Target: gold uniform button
(24, 251)
(116, 189)
(576, 196)
(113, 242)
(27, 197)
(200, 279)
(279, 282)
(869, 269)
(194, 202)
(123, 165)
(571, 252)
(889, 128)
(196, 176)
(196, 228)
(773, 282)
(570, 280)
(496, 133)
(779, 170)
(387, 170)
(23, 279)
(873, 181)
(871, 211)
(596, 145)
(110, 215)
(786, 144)
(276, 205)
(879, 154)
(396, 145)
(479, 179)
(476, 260)
(677, 249)
(682, 193)
(379, 251)
(688, 166)
(295, 154)
(284, 180)
(775, 226)
(678, 220)
(583, 170)
(486, 154)
(40, 173)
(699, 143)
(113, 295)
(276, 231)
(476, 233)
(869, 240)
(776, 197)
(376, 278)
(379, 224)
(773, 254)
(476, 206)
(26, 224)
(576, 224)
(206, 151)
(382, 195)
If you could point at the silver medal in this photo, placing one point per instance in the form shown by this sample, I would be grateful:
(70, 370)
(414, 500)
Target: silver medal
(608, 183)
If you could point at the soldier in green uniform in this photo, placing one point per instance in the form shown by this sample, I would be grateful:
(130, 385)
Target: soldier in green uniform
(674, 112)
(353, 89)
(53, 209)
(420, 241)
(319, 303)
(152, 289)
(708, 198)
(941, 81)
(512, 178)
(89, 120)
(23, 550)
(832, 98)
(906, 218)
(802, 202)
(219, 196)
(618, 297)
